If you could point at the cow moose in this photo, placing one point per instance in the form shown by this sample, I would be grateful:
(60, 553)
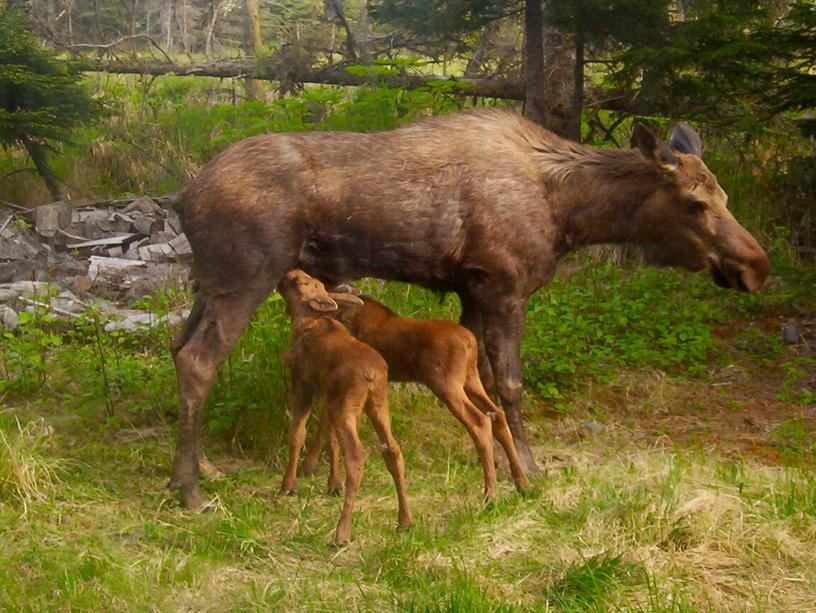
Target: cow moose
(482, 203)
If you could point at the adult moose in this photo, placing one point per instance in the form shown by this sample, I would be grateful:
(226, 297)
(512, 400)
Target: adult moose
(482, 203)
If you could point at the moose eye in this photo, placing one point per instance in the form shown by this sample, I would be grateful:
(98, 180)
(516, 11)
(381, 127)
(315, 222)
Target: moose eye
(695, 207)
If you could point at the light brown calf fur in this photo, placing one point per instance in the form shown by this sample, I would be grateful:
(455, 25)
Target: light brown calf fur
(443, 356)
(325, 360)
(482, 203)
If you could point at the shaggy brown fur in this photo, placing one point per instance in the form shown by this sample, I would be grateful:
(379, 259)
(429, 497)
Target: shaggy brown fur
(482, 203)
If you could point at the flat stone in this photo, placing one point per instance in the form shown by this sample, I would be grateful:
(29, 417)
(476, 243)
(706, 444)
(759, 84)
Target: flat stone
(160, 237)
(29, 288)
(8, 317)
(181, 245)
(156, 253)
(49, 217)
(101, 264)
(143, 204)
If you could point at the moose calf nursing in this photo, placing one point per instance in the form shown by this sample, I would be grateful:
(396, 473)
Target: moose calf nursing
(325, 361)
(443, 356)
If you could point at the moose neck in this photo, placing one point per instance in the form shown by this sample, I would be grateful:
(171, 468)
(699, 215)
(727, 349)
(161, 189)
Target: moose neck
(598, 195)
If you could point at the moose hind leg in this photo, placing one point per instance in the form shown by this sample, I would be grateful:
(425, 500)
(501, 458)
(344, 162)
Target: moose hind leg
(309, 465)
(216, 324)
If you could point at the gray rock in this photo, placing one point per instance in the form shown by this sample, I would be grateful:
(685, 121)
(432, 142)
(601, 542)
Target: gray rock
(790, 334)
(143, 204)
(49, 217)
(8, 317)
(593, 427)
(161, 237)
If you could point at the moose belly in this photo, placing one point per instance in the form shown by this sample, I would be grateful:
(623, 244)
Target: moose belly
(345, 258)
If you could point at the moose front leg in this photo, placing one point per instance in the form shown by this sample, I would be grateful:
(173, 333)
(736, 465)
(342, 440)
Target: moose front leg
(503, 325)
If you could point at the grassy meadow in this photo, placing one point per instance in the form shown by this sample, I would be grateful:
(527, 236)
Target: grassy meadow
(678, 449)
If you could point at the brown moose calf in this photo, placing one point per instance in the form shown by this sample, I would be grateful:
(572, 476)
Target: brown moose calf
(324, 359)
(443, 356)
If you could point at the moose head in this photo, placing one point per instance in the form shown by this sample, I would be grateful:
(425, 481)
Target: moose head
(686, 221)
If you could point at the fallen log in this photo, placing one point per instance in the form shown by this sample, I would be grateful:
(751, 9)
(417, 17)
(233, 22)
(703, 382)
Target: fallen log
(338, 75)
(242, 69)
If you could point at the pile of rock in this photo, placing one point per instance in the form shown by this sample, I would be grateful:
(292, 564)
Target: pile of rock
(118, 250)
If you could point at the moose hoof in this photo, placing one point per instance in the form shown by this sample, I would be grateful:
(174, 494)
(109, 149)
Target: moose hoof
(334, 490)
(194, 499)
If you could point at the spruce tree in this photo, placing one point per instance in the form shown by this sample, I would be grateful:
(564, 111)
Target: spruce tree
(41, 97)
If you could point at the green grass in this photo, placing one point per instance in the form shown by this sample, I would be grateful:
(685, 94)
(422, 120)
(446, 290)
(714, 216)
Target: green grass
(622, 521)
(619, 528)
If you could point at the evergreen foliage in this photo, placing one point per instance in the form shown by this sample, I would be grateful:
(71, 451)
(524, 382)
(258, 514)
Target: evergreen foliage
(41, 97)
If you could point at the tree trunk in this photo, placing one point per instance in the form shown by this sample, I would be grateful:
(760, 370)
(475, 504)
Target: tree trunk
(363, 35)
(535, 104)
(167, 25)
(37, 153)
(351, 47)
(578, 86)
(252, 44)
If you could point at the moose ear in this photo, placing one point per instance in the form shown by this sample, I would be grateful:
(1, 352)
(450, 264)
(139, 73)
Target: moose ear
(323, 304)
(653, 148)
(685, 140)
(345, 298)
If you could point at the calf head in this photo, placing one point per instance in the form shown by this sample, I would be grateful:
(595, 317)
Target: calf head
(305, 295)
(685, 221)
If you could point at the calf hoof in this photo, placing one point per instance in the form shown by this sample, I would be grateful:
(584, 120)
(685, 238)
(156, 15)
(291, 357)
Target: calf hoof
(405, 525)
(523, 486)
(289, 491)
(307, 470)
(341, 538)
(334, 491)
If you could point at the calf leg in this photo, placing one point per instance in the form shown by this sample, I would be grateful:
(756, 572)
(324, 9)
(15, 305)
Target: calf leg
(215, 324)
(300, 403)
(503, 325)
(324, 433)
(345, 425)
(479, 427)
(477, 395)
(316, 446)
(377, 410)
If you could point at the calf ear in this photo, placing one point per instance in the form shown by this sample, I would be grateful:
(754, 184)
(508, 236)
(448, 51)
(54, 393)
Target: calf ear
(653, 148)
(685, 140)
(345, 298)
(323, 304)
(346, 288)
